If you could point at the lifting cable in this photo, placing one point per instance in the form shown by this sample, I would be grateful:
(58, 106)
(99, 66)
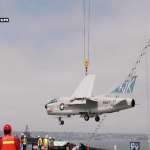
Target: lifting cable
(89, 32)
(136, 64)
(144, 52)
(138, 61)
(86, 61)
(98, 126)
(147, 98)
(147, 88)
(65, 132)
(84, 24)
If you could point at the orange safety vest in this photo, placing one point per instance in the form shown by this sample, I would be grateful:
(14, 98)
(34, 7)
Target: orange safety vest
(8, 143)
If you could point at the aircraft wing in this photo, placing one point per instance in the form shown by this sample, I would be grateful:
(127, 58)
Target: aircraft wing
(85, 87)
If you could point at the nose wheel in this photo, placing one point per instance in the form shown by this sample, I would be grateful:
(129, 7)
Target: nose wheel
(61, 122)
(97, 118)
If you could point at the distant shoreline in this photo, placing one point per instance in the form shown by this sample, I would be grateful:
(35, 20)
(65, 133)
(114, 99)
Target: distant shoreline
(84, 136)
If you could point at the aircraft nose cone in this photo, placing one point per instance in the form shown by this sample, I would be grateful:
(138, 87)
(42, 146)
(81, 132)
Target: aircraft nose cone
(46, 106)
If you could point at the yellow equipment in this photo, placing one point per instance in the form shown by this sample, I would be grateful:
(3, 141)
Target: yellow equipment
(86, 64)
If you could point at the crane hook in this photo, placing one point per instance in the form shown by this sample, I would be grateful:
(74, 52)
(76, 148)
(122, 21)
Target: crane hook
(86, 64)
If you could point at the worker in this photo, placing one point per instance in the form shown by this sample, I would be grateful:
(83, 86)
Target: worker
(9, 142)
(21, 141)
(39, 143)
(51, 143)
(46, 143)
(24, 143)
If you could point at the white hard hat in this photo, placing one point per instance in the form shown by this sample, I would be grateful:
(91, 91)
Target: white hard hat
(49, 137)
(22, 134)
(38, 136)
(46, 136)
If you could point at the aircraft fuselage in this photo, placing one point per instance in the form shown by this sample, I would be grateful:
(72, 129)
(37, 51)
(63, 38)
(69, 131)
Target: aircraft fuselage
(100, 106)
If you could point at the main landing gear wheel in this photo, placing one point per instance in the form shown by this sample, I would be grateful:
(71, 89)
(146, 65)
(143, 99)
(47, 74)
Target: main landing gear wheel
(61, 122)
(86, 117)
(97, 118)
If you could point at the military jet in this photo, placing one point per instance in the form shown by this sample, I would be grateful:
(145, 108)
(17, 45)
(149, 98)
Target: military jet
(83, 103)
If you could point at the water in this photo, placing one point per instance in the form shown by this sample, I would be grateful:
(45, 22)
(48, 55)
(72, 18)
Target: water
(121, 144)
(109, 144)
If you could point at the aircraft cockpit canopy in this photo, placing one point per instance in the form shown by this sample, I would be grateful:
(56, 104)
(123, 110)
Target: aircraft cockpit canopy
(53, 100)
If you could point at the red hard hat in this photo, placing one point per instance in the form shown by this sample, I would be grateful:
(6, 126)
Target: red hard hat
(7, 127)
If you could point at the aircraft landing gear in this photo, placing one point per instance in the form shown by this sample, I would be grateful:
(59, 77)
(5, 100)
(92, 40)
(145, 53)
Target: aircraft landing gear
(97, 118)
(61, 122)
(86, 117)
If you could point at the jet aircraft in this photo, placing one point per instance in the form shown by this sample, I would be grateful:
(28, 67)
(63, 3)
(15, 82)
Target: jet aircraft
(83, 103)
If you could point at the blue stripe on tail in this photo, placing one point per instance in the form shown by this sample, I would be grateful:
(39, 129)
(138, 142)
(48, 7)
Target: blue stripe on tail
(126, 87)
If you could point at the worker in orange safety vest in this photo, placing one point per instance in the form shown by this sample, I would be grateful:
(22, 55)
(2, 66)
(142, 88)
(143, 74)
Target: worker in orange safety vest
(9, 142)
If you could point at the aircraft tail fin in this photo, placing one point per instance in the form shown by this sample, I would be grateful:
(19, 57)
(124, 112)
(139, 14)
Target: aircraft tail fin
(126, 87)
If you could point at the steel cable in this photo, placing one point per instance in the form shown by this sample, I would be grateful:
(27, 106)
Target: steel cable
(98, 126)
(147, 98)
(89, 30)
(84, 24)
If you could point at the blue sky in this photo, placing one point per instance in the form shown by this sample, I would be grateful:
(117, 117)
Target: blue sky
(41, 57)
